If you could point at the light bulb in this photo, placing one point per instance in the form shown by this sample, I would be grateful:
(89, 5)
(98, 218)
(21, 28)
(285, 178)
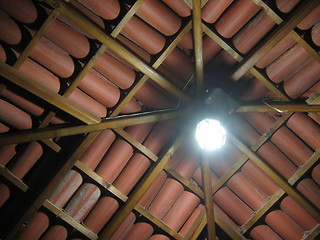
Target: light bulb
(210, 134)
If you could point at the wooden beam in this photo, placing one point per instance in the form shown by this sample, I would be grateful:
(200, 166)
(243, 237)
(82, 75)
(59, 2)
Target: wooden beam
(81, 20)
(303, 10)
(207, 189)
(135, 197)
(255, 72)
(296, 36)
(279, 107)
(156, 64)
(197, 43)
(312, 234)
(297, 196)
(72, 129)
(41, 198)
(46, 94)
(17, 182)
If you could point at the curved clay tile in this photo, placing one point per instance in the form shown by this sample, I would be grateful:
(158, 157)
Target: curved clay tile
(181, 210)
(108, 9)
(188, 166)
(23, 10)
(179, 6)
(4, 193)
(179, 63)
(263, 232)
(315, 34)
(40, 74)
(3, 55)
(159, 16)
(283, 67)
(210, 49)
(305, 128)
(65, 189)
(254, 91)
(283, 138)
(187, 41)
(297, 213)
(286, 43)
(68, 39)
(97, 20)
(284, 226)
(13, 116)
(236, 17)
(52, 57)
(167, 196)
(133, 47)
(254, 197)
(171, 76)
(101, 213)
(153, 190)
(312, 19)
(82, 201)
(97, 149)
(22, 103)
(118, 73)
(316, 174)
(27, 159)
(310, 190)
(124, 228)
(10, 32)
(311, 91)
(121, 151)
(213, 9)
(88, 103)
(7, 152)
(260, 178)
(56, 232)
(191, 220)
(303, 79)
(153, 98)
(253, 32)
(286, 6)
(143, 35)
(35, 228)
(138, 164)
(141, 231)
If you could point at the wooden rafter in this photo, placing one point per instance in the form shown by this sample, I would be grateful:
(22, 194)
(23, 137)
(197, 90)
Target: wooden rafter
(279, 107)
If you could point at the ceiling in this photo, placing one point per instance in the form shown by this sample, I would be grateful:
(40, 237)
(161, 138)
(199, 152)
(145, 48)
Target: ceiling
(98, 103)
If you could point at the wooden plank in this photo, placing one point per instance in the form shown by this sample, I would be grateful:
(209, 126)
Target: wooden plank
(137, 194)
(312, 234)
(79, 19)
(73, 129)
(68, 219)
(208, 200)
(304, 9)
(46, 94)
(41, 198)
(17, 182)
(277, 196)
(197, 44)
(275, 17)
(279, 107)
(156, 64)
(297, 196)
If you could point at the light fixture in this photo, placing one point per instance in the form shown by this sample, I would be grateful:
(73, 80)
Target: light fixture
(210, 134)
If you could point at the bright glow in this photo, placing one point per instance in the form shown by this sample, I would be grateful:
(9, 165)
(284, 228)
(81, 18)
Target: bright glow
(210, 134)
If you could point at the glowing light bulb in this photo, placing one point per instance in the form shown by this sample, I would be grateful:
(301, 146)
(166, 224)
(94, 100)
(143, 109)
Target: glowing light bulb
(210, 134)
